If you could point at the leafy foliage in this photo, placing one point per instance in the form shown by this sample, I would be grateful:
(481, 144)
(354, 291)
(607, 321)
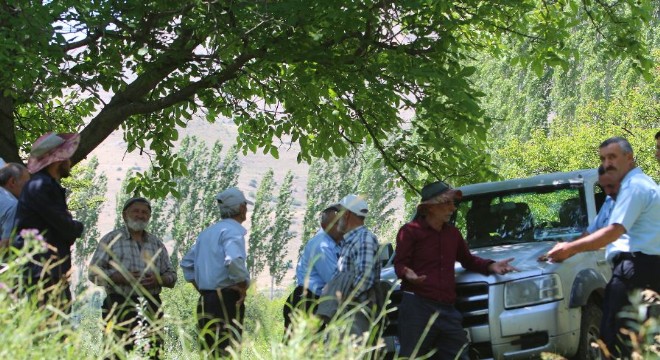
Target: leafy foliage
(87, 195)
(330, 75)
(573, 144)
(261, 226)
(327, 182)
(281, 232)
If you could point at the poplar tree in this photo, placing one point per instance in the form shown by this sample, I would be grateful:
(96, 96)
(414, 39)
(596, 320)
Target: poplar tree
(377, 187)
(281, 233)
(261, 225)
(87, 195)
(328, 181)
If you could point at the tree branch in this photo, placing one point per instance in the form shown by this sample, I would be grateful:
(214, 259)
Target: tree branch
(8, 145)
(380, 148)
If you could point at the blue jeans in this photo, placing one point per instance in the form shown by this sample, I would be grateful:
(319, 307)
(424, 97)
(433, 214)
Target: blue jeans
(446, 334)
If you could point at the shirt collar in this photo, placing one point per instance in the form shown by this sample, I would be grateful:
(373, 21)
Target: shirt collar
(630, 174)
(426, 226)
(145, 238)
(7, 192)
(353, 231)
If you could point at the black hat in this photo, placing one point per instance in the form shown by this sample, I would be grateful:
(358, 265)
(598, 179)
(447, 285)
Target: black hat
(133, 200)
(432, 190)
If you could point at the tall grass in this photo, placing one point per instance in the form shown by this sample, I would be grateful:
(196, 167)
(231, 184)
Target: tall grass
(30, 331)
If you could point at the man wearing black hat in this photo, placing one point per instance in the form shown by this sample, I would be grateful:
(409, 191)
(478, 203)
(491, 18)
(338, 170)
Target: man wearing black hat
(133, 266)
(427, 248)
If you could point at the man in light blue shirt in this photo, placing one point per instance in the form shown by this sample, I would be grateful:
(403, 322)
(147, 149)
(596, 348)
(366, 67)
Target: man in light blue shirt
(636, 213)
(610, 187)
(215, 265)
(316, 266)
(13, 177)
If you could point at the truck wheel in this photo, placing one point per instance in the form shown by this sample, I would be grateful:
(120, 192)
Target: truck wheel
(589, 333)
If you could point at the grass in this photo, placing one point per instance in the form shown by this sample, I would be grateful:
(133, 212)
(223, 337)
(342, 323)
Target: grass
(30, 331)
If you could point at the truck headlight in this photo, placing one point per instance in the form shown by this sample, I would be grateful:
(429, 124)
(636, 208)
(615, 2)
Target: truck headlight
(532, 291)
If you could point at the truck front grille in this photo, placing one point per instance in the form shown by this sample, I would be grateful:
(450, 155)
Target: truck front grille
(472, 302)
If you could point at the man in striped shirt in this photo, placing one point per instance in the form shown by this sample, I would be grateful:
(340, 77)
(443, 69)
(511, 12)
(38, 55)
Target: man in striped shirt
(133, 266)
(358, 256)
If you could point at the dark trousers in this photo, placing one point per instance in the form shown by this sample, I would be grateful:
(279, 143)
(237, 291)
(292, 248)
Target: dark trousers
(125, 314)
(446, 334)
(631, 271)
(50, 291)
(219, 319)
(300, 298)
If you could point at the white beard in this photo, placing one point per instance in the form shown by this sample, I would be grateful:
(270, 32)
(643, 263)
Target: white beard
(136, 225)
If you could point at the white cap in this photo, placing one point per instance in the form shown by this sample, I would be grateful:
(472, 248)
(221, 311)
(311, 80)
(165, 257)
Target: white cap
(354, 204)
(230, 198)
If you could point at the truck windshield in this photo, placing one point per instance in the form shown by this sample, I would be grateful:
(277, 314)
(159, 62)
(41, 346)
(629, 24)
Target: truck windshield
(522, 216)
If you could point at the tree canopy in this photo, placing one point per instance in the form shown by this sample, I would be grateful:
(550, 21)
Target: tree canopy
(329, 75)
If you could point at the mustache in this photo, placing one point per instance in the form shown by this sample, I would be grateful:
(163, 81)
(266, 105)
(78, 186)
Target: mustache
(610, 168)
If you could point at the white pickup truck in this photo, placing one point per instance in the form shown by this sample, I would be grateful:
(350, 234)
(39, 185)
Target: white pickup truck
(545, 307)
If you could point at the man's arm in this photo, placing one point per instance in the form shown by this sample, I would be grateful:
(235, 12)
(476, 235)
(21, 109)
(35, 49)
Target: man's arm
(167, 273)
(325, 262)
(364, 263)
(403, 254)
(99, 264)
(235, 260)
(7, 224)
(595, 241)
(48, 203)
(188, 265)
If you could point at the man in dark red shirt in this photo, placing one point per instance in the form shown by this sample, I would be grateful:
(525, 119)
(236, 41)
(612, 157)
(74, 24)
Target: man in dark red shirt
(427, 248)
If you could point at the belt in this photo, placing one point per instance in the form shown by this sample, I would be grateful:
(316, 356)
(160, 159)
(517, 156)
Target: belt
(432, 301)
(215, 291)
(630, 256)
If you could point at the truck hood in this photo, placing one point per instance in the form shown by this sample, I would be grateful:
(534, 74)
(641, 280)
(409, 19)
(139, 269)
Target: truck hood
(525, 260)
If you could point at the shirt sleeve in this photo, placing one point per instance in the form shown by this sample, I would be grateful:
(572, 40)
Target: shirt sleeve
(235, 259)
(188, 264)
(469, 261)
(364, 261)
(167, 273)
(626, 211)
(403, 252)
(47, 201)
(100, 262)
(8, 222)
(325, 262)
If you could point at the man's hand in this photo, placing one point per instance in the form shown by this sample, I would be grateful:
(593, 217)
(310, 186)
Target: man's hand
(412, 277)
(502, 267)
(149, 280)
(119, 279)
(560, 252)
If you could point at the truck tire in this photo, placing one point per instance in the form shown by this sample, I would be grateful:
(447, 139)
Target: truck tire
(589, 333)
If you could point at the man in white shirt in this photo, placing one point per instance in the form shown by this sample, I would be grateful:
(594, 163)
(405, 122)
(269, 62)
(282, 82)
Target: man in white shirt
(636, 213)
(215, 265)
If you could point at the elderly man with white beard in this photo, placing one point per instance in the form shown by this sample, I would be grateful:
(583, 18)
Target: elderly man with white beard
(133, 266)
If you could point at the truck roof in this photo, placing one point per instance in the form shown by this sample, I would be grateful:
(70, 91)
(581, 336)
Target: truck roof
(556, 178)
